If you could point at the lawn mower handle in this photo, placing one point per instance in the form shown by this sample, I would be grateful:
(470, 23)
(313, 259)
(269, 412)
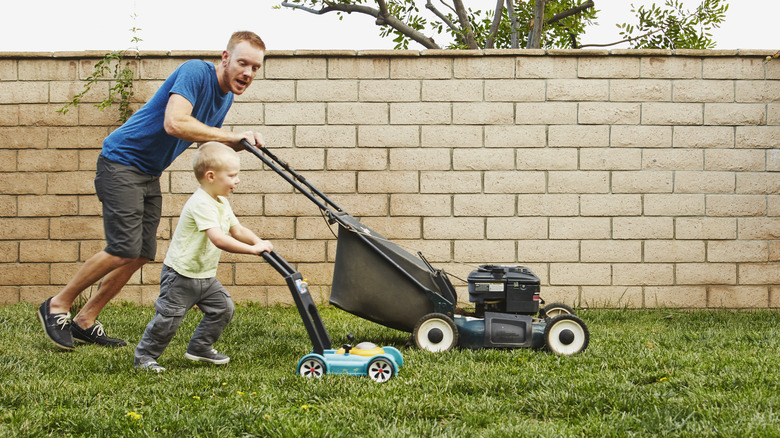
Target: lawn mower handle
(295, 179)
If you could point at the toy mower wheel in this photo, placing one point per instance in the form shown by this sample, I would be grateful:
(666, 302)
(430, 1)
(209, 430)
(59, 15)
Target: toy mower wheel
(380, 370)
(555, 309)
(312, 367)
(435, 332)
(566, 335)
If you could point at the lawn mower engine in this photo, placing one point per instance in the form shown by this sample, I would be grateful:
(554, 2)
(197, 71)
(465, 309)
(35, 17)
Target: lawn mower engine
(504, 289)
(507, 303)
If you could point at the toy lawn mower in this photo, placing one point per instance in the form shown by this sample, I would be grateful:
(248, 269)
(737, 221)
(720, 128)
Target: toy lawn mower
(379, 281)
(379, 364)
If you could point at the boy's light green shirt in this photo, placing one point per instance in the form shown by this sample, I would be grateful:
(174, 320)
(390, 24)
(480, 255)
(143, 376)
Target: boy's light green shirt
(191, 253)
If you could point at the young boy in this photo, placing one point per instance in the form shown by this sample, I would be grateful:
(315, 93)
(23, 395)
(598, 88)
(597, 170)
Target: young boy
(206, 226)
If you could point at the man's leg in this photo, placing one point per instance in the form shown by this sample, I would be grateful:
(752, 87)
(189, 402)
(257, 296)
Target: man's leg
(54, 313)
(109, 288)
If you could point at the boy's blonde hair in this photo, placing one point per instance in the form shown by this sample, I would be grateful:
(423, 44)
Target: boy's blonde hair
(212, 156)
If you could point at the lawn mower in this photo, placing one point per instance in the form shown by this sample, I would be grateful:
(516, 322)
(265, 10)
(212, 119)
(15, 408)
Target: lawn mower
(379, 364)
(378, 280)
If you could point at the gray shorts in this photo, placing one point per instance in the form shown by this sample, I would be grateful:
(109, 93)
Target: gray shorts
(132, 205)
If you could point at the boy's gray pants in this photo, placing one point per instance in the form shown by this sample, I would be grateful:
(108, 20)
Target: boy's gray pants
(177, 295)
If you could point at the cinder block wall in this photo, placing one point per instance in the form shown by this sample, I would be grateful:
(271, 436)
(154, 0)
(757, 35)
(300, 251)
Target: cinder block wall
(622, 178)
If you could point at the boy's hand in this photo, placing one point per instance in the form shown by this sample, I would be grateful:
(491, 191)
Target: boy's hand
(262, 246)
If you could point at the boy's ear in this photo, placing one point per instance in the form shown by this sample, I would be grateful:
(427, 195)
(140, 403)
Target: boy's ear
(209, 176)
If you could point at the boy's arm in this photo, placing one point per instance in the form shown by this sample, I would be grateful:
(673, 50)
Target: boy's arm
(245, 245)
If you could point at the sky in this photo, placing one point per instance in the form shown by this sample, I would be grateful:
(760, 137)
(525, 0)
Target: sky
(77, 25)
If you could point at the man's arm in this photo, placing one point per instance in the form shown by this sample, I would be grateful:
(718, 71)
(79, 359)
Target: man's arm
(180, 123)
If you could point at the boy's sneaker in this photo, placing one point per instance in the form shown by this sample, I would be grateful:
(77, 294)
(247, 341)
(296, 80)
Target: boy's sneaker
(150, 366)
(211, 357)
(94, 335)
(56, 326)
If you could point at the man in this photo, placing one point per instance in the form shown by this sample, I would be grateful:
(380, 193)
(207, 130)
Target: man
(189, 107)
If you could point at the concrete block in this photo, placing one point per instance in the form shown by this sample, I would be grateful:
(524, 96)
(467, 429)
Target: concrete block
(483, 159)
(359, 68)
(580, 228)
(547, 159)
(642, 274)
(546, 67)
(422, 113)
(674, 205)
(688, 297)
(739, 160)
(707, 91)
(642, 228)
(515, 136)
(390, 91)
(454, 90)
(610, 251)
(578, 182)
(670, 68)
(452, 136)
(510, 228)
(641, 136)
(421, 68)
(358, 113)
(484, 67)
(514, 182)
(610, 159)
(706, 273)
(738, 297)
(295, 68)
(705, 228)
(518, 90)
(704, 182)
(645, 90)
(385, 136)
(611, 204)
(546, 113)
(733, 68)
(327, 91)
(608, 67)
(450, 182)
(548, 251)
(674, 251)
(734, 114)
(609, 113)
(485, 205)
(577, 90)
(655, 113)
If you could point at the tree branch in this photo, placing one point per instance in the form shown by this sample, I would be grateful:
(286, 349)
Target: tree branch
(441, 16)
(382, 19)
(535, 35)
(494, 25)
(463, 18)
(568, 13)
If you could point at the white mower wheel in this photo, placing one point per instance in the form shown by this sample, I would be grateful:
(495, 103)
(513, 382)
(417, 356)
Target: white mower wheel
(566, 335)
(555, 309)
(312, 367)
(380, 370)
(435, 332)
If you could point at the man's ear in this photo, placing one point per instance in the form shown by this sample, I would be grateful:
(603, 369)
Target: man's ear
(225, 56)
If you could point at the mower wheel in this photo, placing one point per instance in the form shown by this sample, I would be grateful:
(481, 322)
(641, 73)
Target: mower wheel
(435, 332)
(312, 367)
(380, 370)
(554, 309)
(566, 335)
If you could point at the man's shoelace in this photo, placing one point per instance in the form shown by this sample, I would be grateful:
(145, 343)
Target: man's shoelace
(62, 320)
(98, 329)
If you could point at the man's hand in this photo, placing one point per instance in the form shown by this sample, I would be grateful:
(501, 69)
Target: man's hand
(252, 137)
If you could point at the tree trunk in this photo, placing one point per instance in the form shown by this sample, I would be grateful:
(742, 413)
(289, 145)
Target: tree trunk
(535, 35)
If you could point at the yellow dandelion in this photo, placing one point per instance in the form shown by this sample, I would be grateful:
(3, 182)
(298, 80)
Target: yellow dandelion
(305, 407)
(133, 415)
(239, 393)
(196, 397)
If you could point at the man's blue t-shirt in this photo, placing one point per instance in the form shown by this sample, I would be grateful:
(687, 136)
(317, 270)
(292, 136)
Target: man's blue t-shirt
(142, 141)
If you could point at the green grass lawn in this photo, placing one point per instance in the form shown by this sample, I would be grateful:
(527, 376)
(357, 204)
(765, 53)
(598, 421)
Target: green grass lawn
(645, 373)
